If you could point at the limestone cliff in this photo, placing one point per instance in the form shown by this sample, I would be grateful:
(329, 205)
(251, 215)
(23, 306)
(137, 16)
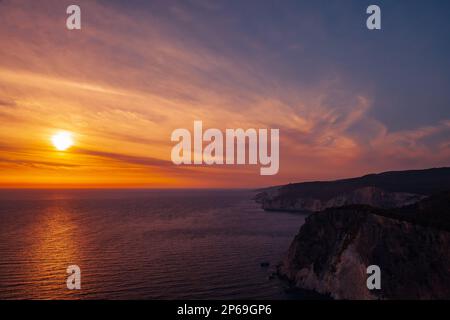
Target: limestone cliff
(275, 200)
(385, 190)
(333, 249)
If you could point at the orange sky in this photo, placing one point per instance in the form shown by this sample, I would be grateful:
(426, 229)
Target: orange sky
(123, 83)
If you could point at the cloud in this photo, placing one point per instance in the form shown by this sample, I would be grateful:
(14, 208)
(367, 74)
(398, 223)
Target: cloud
(38, 164)
(142, 161)
(7, 103)
(130, 77)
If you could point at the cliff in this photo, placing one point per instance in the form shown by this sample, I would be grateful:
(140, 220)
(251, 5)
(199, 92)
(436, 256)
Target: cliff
(385, 190)
(276, 200)
(333, 248)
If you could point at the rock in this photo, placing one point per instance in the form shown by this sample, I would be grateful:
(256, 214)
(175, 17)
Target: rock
(385, 190)
(367, 195)
(394, 220)
(333, 249)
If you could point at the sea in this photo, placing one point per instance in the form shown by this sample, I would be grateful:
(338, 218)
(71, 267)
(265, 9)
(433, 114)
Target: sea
(142, 244)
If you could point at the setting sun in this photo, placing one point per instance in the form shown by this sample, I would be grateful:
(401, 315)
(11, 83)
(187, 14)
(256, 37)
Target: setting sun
(62, 140)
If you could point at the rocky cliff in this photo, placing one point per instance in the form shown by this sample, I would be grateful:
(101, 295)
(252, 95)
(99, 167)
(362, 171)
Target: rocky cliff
(385, 190)
(275, 200)
(333, 249)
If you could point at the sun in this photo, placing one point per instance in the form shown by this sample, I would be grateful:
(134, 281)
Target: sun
(62, 140)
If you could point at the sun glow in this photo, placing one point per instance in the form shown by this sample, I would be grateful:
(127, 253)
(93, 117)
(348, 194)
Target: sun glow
(62, 140)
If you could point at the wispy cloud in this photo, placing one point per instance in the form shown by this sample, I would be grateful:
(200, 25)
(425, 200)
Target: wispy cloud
(130, 77)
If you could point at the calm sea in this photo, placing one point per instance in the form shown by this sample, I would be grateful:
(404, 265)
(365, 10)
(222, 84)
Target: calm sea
(141, 244)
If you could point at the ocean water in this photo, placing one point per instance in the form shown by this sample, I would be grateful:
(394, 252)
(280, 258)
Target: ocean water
(141, 244)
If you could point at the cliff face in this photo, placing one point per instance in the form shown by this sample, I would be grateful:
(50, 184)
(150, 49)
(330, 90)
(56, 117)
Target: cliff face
(399, 221)
(275, 199)
(385, 190)
(333, 249)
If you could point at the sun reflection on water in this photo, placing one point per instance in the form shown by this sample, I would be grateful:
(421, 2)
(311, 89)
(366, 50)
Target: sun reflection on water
(55, 246)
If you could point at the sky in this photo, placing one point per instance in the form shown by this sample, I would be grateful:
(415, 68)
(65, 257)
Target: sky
(348, 101)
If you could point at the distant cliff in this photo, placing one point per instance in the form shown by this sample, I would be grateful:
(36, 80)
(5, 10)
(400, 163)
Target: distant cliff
(385, 190)
(333, 248)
